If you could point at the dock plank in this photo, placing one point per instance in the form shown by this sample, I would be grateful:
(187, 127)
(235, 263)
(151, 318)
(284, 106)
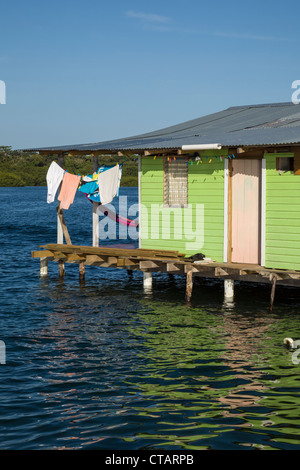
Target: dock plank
(164, 261)
(110, 251)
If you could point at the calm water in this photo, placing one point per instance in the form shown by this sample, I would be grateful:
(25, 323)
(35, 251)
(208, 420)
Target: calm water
(104, 365)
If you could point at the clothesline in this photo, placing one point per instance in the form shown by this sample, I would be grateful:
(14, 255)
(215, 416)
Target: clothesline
(102, 186)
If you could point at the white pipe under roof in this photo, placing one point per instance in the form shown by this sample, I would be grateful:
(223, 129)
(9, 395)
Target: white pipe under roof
(202, 147)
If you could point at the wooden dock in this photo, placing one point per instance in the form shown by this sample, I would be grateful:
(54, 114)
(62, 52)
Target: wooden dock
(162, 261)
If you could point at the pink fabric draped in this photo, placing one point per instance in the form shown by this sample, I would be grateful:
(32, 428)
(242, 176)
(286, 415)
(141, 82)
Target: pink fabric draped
(68, 190)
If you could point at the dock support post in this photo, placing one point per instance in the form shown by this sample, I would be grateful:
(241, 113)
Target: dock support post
(62, 229)
(228, 289)
(95, 209)
(60, 232)
(95, 224)
(61, 268)
(189, 285)
(147, 283)
(60, 240)
(274, 279)
(81, 270)
(44, 267)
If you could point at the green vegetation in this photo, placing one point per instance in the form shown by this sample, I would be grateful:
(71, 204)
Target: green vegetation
(30, 169)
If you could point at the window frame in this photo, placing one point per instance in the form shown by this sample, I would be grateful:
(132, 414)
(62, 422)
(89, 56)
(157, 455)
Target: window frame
(167, 202)
(280, 167)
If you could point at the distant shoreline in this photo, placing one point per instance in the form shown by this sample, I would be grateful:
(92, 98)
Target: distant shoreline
(19, 169)
(122, 185)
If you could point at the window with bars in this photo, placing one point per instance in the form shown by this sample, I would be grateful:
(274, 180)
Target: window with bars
(175, 182)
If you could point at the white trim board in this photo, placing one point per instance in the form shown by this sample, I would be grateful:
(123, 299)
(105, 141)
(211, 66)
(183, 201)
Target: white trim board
(263, 214)
(139, 195)
(226, 187)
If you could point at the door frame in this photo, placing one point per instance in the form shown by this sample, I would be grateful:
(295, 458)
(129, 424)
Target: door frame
(228, 211)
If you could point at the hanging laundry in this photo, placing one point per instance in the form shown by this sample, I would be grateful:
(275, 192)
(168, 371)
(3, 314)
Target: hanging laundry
(68, 190)
(87, 178)
(90, 186)
(109, 182)
(54, 177)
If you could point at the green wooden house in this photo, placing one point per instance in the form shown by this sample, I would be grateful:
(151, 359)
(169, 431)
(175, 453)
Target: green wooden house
(220, 222)
(226, 185)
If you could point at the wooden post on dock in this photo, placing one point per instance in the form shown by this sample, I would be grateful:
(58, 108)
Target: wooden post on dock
(147, 283)
(61, 268)
(44, 267)
(95, 209)
(63, 225)
(60, 232)
(81, 270)
(228, 289)
(189, 285)
(95, 224)
(274, 279)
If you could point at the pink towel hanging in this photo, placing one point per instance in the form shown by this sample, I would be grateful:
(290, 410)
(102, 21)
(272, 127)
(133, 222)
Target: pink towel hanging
(68, 190)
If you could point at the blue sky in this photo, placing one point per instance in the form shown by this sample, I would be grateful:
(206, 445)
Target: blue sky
(87, 71)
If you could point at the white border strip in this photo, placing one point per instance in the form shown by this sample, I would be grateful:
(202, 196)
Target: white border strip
(226, 176)
(263, 213)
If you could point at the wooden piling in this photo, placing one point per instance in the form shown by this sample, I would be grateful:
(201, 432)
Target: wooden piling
(95, 209)
(147, 283)
(274, 280)
(189, 285)
(228, 289)
(95, 224)
(44, 267)
(163, 261)
(61, 268)
(60, 233)
(81, 270)
(62, 224)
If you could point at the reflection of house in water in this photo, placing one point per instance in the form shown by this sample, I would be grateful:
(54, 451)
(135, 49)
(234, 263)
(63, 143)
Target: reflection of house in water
(162, 372)
(244, 348)
(203, 368)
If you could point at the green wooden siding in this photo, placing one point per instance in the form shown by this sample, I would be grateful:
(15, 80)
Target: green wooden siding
(282, 249)
(206, 187)
(200, 224)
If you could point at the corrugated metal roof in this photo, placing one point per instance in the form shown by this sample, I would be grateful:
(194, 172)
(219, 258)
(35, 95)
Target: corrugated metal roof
(251, 125)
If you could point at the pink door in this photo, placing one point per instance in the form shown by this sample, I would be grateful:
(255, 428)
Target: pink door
(245, 236)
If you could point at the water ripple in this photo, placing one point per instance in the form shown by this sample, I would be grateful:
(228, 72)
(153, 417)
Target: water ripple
(103, 365)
